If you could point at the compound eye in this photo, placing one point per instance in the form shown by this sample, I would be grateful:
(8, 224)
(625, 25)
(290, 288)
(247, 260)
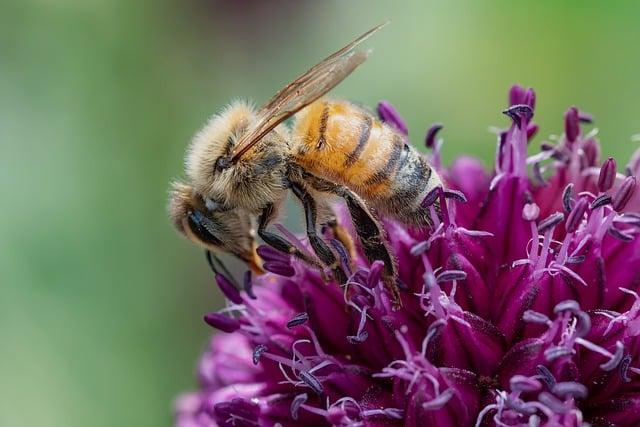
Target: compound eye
(203, 228)
(222, 163)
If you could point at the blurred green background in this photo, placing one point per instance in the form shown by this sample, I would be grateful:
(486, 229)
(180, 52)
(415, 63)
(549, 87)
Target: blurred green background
(101, 302)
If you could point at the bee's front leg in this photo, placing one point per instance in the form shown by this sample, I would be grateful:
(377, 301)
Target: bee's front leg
(278, 242)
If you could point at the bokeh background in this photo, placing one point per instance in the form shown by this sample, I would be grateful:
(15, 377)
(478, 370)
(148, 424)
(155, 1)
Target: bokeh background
(100, 301)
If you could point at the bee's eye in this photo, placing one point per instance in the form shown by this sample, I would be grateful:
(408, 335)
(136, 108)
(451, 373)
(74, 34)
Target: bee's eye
(203, 228)
(222, 163)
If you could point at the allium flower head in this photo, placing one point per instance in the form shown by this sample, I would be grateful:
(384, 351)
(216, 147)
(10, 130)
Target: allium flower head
(520, 305)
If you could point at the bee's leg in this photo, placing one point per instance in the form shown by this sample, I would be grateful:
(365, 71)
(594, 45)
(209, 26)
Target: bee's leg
(278, 242)
(319, 246)
(368, 230)
(342, 236)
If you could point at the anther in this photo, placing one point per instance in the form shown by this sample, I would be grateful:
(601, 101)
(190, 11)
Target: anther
(228, 290)
(553, 353)
(222, 322)
(624, 193)
(585, 117)
(531, 316)
(550, 222)
(298, 401)
(311, 381)
(430, 139)
(571, 124)
(567, 305)
(607, 174)
(298, 320)
(570, 388)
(524, 384)
(519, 112)
(624, 368)
(257, 352)
(552, 403)
(439, 401)
(431, 197)
(601, 200)
(619, 234)
(450, 275)
(537, 174)
(574, 218)
(615, 360)
(546, 376)
(456, 195)
(390, 115)
(567, 200)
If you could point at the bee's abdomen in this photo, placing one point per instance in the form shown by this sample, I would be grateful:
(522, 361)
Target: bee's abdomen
(348, 145)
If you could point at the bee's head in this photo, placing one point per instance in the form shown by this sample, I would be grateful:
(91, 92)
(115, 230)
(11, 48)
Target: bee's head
(201, 221)
(252, 180)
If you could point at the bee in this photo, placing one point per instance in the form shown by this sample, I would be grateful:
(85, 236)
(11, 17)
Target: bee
(244, 161)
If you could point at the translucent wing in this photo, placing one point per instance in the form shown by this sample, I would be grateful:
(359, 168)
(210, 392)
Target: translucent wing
(304, 90)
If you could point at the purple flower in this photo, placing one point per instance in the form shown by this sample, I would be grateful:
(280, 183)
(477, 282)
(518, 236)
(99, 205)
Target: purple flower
(520, 306)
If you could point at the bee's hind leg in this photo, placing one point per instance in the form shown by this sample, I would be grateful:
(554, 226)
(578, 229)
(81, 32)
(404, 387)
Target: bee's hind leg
(319, 246)
(369, 232)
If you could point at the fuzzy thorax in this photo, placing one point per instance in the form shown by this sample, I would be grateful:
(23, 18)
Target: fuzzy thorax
(256, 179)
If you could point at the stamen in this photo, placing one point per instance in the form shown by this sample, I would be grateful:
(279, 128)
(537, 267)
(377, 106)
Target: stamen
(257, 352)
(311, 381)
(228, 289)
(567, 305)
(546, 376)
(439, 401)
(388, 114)
(221, 322)
(575, 216)
(570, 388)
(531, 316)
(456, 195)
(607, 175)
(519, 406)
(451, 275)
(431, 134)
(552, 403)
(280, 269)
(624, 193)
(619, 234)
(521, 383)
(601, 200)
(433, 329)
(571, 124)
(550, 222)
(566, 197)
(556, 352)
(537, 174)
(431, 197)
(530, 212)
(624, 368)
(615, 359)
(299, 319)
(519, 112)
(296, 403)
(585, 117)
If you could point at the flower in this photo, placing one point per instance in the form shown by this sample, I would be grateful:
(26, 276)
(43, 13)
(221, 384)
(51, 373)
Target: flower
(520, 305)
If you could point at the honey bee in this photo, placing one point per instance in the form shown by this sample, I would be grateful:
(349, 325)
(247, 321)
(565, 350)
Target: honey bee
(244, 161)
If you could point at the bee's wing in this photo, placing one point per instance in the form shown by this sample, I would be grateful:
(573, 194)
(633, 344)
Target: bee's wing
(307, 88)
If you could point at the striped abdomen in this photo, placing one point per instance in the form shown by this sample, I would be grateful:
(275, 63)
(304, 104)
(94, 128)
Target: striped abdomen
(346, 144)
